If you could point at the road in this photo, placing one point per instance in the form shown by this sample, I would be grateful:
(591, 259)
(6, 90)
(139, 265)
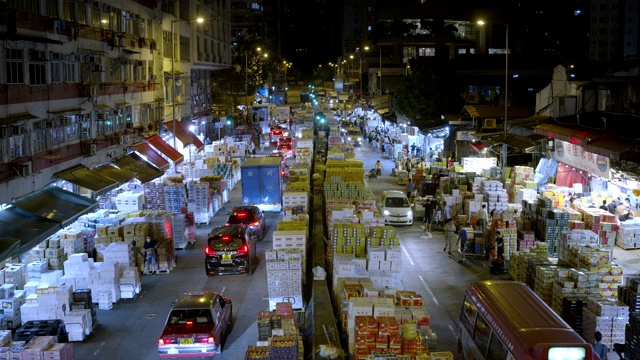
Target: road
(130, 330)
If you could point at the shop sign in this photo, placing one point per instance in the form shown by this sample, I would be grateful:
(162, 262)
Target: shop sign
(464, 135)
(576, 156)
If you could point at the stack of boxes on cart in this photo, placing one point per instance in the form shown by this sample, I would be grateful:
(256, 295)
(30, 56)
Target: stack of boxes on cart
(129, 201)
(628, 235)
(198, 202)
(37, 348)
(277, 335)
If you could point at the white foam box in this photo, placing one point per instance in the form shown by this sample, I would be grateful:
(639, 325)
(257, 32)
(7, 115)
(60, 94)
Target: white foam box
(376, 253)
(393, 254)
(51, 276)
(31, 286)
(53, 253)
(5, 337)
(8, 290)
(373, 265)
(29, 309)
(9, 303)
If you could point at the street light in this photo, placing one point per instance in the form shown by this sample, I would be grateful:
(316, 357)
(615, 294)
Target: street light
(506, 91)
(246, 77)
(173, 82)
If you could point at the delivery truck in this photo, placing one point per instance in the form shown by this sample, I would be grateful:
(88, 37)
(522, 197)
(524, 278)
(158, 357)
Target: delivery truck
(262, 183)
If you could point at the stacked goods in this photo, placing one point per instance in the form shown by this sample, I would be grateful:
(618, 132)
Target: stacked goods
(628, 235)
(574, 244)
(213, 181)
(48, 303)
(608, 317)
(129, 283)
(334, 152)
(284, 347)
(471, 207)
(345, 190)
(526, 239)
(524, 194)
(196, 169)
(284, 276)
(384, 265)
(382, 236)
(602, 223)
(74, 241)
(572, 312)
(543, 285)
(35, 270)
(129, 201)
(519, 264)
(79, 324)
(632, 334)
(348, 239)
(495, 195)
(509, 233)
(257, 353)
(199, 201)
(628, 294)
(178, 225)
(477, 165)
(292, 239)
(295, 202)
(10, 302)
(175, 197)
(153, 195)
(15, 274)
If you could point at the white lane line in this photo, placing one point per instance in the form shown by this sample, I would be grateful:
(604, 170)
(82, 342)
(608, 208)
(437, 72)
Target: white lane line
(426, 236)
(407, 253)
(455, 334)
(435, 301)
(99, 348)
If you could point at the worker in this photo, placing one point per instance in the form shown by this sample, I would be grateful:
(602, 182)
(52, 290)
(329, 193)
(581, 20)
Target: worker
(151, 260)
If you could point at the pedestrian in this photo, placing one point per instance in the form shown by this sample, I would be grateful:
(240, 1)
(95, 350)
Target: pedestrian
(481, 224)
(612, 207)
(378, 168)
(428, 214)
(137, 255)
(599, 348)
(462, 239)
(604, 205)
(449, 233)
(499, 245)
(437, 211)
(151, 260)
(446, 211)
(410, 187)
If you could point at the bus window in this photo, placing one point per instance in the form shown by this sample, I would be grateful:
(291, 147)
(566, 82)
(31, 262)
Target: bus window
(481, 333)
(497, 350)
(468, 316)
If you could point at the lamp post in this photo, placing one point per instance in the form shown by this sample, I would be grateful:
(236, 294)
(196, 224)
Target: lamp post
(380, 50)
(506, 91)
(173, 83)
(246, 77)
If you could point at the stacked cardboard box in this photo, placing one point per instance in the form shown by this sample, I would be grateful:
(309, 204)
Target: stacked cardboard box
(78, 323)
(129, 201)
(284, 276)
(608, 317)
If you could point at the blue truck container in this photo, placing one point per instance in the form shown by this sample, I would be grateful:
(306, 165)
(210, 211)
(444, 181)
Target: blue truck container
(262, 183)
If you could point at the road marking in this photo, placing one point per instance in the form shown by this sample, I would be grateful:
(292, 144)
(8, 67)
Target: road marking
(455, 334)
(406, 252)
(223, 289)
(426, 236)
(97, 351)
(435, 301)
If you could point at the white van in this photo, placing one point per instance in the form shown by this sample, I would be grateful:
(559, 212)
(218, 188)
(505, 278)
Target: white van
(396, 208)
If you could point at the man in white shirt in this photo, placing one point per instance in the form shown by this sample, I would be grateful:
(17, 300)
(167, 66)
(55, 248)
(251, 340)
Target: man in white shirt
(482, 218)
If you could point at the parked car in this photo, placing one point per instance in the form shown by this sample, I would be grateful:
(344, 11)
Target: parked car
(251, 216)
(286, 150)
(197, 326)
(276, 132)
(285, 140)
(230, 250)
(396, 208)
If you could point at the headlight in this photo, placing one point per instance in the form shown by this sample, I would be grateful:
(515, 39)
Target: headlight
(359, 139)
(409, 213)
(386, 213)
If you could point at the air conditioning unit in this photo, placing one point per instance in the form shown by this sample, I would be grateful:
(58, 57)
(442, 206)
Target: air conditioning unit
(89, 149)
(23, 169)
(490, 123)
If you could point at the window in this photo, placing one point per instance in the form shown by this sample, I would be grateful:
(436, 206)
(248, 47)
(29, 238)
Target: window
(104, 123)
(185, 48)
(38, 137)
(37, 67)
(55, 67)
(468, 315)
(497, 350)
(13, 143)
(481, 334)
(69, 69)
(51, 9)
(426, 52)
(15, 66)
(32, 6)
(167, 48)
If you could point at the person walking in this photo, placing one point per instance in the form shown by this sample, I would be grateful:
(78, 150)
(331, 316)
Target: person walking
(378, 168)
(446, 212)
(137, 255)
(599, 348)
(482, 218)
(449, 233)
(604, 205)
(410, 187)
(462, 239)
(428, 214)
(151, 260)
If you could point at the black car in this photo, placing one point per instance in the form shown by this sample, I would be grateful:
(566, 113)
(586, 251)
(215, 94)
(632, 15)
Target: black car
(251, 216)
(230, 250)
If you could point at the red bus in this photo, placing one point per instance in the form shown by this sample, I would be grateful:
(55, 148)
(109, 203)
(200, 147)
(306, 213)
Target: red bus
(506, 320)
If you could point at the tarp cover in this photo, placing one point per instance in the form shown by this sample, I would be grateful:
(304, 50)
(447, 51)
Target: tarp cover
(135, 164)
(82, 176)
(108, 170)
(186, 136)
(152, 156)
(56, 204)
(157, 142)
(30, 228)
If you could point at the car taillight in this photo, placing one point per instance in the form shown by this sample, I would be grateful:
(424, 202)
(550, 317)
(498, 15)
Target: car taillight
(226, 239)
(189, 323)
(243, 250)
(242, 215)
(258, 222)
(162, 341)
(209, 340)
(209, 251)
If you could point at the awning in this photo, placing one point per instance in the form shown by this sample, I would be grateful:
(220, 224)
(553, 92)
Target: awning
(595, 141)
(15, 118)
(82, 176)
(157, 142)
(186, 136)
(68, 111)
(110, 171)
(511, 140)
(136, 165)
(103, 107)
(56, 204)
(152, 156)
(27, 228)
